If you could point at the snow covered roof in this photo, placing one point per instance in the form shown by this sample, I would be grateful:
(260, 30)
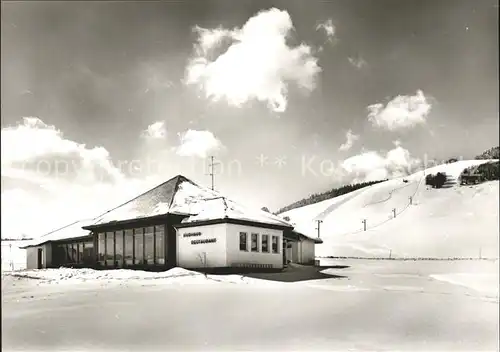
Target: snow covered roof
(73, 230)
(223, 208)
(156, 201)
(182, 196)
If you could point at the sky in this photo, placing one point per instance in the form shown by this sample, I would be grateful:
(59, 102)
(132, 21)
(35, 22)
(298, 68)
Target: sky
(102, 101)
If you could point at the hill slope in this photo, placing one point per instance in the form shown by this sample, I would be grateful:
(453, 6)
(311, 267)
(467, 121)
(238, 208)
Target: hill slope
(457, 221)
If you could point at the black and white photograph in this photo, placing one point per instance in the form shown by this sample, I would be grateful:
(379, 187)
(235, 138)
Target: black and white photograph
(237, 175)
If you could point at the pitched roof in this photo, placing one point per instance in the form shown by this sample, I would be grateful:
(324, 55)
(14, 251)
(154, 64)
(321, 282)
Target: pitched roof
(156, 201)
(223, 208)
(178, 195)
(181, 196)
(70, 231)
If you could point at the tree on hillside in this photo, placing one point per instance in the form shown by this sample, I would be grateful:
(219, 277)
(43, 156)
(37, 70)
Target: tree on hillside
(266, 209)
(439, 179)
(493, 153)
(286, 218)
(489, 171)
(429, 180)
(335, 192)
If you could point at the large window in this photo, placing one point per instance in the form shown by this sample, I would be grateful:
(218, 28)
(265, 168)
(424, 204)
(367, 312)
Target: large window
(110, 249)
(119, 248)
(80, 252)
(129, 247)
(243, 241)
(75, 252)
(149, 244)
(265, 243)
(101, 248)
(255, 242)
(276, 244)
(160, 244)
(69, 251)
(88, 252)
(139, 245)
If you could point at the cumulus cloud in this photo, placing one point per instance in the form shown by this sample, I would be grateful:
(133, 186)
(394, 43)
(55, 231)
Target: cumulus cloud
(350, 139)
(328, 27)
(357, 62)
(156, 130)
(198, 143)
(253, 62)
(372, 165)
(404, 111)
(53, 180)
(37, 148)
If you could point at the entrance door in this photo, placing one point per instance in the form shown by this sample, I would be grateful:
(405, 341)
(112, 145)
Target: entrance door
(39, 258)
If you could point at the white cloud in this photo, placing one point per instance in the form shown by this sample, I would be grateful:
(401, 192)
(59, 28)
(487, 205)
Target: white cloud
(198, 143)
(358, 62)
(401, 112)
(258, 64)
(328, 27)
(52, 180)
(372, 165)
(156, 130)
(350, 139)
(36, 148)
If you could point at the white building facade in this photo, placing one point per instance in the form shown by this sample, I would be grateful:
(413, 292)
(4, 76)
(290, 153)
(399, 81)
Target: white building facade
(232, 244)
(226, 244)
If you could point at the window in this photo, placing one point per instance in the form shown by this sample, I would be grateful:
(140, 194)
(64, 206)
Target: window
(139, 245)
(276, 244)
(88, 252)
(255, 242)
(80, 252)
(265, 243)
(129, 246)
(60, 256)
(160, 244)
(110, 249)
(119, 248)
(243, 241)
(69, 250)
(149, 243)
(101, 246)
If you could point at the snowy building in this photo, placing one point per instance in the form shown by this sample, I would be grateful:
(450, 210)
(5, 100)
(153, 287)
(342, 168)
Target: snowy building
(177, 223)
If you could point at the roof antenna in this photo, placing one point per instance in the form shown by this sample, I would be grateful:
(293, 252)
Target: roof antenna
(211, 170)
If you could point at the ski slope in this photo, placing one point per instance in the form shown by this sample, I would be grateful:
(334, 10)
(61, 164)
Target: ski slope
(455, 221)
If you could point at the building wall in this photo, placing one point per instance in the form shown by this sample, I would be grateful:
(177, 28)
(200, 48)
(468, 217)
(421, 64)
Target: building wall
(303, 251)
(202, 255)
(236, 257)
(32, 256)
(307, 251)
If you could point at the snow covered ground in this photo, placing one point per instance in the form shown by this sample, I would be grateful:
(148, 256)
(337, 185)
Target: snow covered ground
(379, 305)
(460, 221)
(479, 278)
(68, 276)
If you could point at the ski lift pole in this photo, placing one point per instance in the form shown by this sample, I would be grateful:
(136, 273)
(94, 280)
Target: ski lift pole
(11, 260)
